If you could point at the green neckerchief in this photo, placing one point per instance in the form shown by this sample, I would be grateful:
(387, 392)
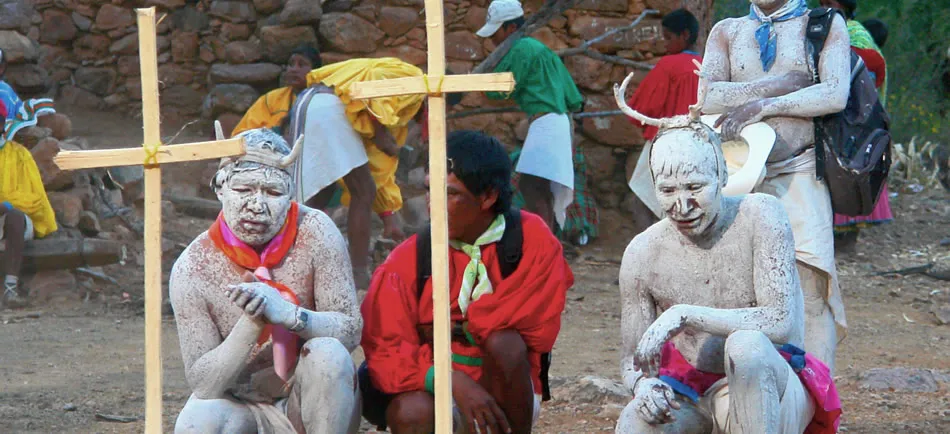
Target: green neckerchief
(475, 281)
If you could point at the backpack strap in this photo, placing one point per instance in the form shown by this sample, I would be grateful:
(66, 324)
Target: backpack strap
(509, 253)
(423, 259)
(816, 33)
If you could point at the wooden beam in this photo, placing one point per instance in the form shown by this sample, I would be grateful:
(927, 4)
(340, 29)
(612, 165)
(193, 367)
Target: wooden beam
(73, 160)
(151, 123)
(438, 170)
(196, 206)
(501, 82)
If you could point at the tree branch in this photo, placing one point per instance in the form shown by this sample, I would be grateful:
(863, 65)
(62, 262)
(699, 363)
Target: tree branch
(539, 19)
(583, 48)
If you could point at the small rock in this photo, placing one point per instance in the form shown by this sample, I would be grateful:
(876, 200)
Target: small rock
(899, 379)
(89, 223)
(69, 407)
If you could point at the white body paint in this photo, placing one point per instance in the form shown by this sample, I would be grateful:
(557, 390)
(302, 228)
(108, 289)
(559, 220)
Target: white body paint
(225, 366)
(789, 101)
(718, 278)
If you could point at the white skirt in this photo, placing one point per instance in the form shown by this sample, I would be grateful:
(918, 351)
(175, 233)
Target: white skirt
(331, 147)
(547, 154)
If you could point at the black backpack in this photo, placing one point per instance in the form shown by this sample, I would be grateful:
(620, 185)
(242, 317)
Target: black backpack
(852, 147)
(509, 255)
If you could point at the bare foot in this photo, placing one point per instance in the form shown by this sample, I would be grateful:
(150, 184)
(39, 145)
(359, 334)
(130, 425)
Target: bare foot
(12, 299)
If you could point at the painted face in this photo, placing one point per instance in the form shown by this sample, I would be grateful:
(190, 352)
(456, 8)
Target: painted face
(687, 181)
(255, 204)
(297, 69)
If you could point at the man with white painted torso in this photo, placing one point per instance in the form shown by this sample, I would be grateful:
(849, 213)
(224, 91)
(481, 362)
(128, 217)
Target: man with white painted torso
(760, 69)
(265, 307)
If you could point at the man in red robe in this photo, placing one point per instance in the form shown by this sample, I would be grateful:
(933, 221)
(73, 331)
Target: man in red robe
(502, 326)
(666, 91)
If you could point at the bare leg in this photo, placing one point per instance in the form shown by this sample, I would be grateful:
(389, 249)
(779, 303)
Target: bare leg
(391, 228)
(362, 192)
(689, 419)
(326, 384)
(758, 376)
(538, 197)
(215, 416)
(411, 413)
(321, 200)
(506, 375)
(821, 333)
(13, 230)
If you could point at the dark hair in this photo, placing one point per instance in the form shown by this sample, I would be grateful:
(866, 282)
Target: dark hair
(481, 163)
(310, 53)
(681, 20)
(878, 31)
(849, 8)
(518, 22)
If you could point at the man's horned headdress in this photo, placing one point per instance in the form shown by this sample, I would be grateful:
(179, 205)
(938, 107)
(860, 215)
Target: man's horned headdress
(263, 147)
(681, 121)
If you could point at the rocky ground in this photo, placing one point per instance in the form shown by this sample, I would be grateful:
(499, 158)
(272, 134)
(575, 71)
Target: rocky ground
(74, 361)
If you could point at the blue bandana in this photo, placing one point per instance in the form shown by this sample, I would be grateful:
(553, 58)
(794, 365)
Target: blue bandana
(765, 34)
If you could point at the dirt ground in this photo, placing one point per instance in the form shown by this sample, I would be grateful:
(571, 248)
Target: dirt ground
(66, 363)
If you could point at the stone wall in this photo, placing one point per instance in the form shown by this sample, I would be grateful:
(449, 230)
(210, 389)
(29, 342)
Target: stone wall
(217, 56)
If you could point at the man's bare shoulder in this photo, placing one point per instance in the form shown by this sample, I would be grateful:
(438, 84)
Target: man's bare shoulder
(728, 26)
(762, 206)
(195, 264)
(639, 249)
(316, 226)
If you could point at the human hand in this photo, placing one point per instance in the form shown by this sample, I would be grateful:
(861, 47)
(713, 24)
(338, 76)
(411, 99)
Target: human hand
(275, 309)
(655, 401)
(479, 410)
(252, 305)
(648, 355)
(386, 143)
(733, 121)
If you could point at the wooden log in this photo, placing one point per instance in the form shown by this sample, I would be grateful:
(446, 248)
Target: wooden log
(196, 206)
(59, 254)
(72, 160)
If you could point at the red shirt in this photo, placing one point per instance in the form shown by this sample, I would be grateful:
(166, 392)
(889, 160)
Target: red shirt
(530, 301)
(668, 90)
(875, 63)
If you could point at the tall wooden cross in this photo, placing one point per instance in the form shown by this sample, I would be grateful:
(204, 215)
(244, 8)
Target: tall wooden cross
(151, 155)
(435, 36)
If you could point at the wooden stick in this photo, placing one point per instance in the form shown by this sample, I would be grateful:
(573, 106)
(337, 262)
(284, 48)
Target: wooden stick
(503, 82)
(587, 44)
(73, 160)
(435, 35)
(148, 59)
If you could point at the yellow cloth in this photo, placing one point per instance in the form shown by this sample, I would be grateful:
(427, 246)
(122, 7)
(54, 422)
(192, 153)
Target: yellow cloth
(392, 112)
(268, 111)
(21, 185)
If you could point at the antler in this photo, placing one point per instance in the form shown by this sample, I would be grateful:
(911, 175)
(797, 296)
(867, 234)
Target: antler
(702, 91)
(218, 131)
(294, 153)
(619, 93)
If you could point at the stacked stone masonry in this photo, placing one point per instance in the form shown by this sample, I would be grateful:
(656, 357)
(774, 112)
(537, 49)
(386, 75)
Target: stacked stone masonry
(217, 56)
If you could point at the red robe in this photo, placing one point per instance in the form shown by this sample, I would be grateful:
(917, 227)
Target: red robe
(530, 301)
(875, 63)
(668, 90)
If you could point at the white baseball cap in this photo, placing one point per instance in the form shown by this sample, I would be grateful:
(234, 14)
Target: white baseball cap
(499, 11)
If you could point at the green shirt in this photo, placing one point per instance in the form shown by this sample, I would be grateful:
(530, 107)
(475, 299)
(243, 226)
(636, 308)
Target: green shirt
(542, 83)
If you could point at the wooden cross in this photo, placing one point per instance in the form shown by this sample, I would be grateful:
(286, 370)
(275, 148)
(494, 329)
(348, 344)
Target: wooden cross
(151, 155)
(435, 35)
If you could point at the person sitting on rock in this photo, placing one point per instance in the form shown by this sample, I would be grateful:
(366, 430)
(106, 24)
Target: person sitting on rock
(266, 311)
(25, 212)
(506, 306)
(712, 308)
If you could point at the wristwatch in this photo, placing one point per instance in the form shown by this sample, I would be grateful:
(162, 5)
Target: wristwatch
(300, 320)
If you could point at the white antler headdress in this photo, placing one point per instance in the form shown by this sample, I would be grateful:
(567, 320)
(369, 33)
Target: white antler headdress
(680, 121)
(262, 147)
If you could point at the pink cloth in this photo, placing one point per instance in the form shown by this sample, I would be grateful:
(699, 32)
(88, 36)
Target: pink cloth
(816, 377)
(881, 214)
